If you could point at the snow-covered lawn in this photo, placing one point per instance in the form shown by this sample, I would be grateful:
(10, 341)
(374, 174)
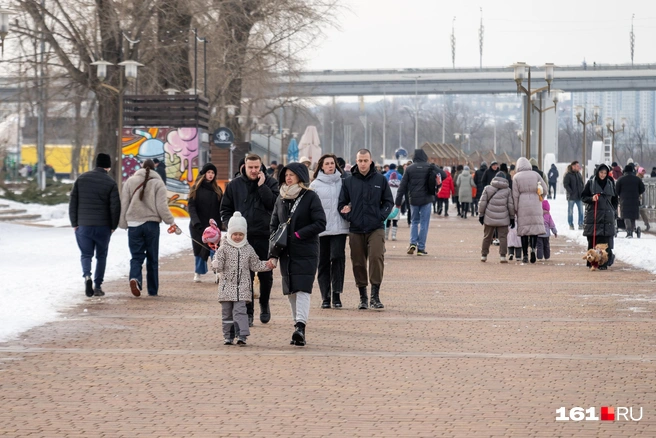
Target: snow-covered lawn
(40, 272)
(637, 252)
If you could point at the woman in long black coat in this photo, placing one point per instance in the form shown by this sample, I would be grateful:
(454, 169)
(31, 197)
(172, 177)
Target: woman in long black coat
(299, 261)
(204, 204)
(629, 188)
(599, 226)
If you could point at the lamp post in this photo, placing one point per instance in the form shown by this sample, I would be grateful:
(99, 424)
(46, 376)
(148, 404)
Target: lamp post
(459, 137)
(522, 70)
(4, 27)
(268, 131)
(610, 126)
(540, 110)
(582, 111)
(130, 72)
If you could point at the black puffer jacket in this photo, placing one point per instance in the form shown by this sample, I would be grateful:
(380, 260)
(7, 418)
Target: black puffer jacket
(573, 183)
(478, 179)
(253, 202)
(629, 188)
(414, 183)
(370, 198)
(606, 206)
(299, 262)
(95, 201)
(205, 205)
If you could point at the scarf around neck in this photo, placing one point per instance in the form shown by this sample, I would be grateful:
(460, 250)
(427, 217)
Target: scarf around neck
(234, 244)
(290, 192)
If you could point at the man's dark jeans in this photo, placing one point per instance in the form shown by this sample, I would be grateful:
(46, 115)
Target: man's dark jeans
(144, 245)
(92, 240)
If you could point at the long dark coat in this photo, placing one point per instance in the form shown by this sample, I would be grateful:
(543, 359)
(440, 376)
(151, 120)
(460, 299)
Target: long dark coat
(606, 207)
(204, 206)
(629, 188)
(299, 262)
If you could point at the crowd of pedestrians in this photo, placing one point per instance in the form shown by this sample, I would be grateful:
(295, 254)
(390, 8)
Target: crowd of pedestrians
(284, 217)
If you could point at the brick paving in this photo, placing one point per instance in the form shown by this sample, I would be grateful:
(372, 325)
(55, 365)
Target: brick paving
(463, 349)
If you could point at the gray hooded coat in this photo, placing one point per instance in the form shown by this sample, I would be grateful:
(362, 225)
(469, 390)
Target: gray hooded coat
(465, 184)
(496, 203)
(530, 219)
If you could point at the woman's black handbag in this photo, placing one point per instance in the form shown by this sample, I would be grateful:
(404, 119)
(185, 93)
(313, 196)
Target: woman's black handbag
(278, 240)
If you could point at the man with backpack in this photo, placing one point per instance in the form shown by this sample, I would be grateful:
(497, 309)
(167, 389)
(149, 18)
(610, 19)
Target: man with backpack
(419, 182)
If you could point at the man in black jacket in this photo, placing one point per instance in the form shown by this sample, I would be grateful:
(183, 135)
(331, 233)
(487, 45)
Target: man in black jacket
(254, 194)
(414, 186)
(553, 180)
(94, 210)
(366, 201)
(573, 183)
(160, 168)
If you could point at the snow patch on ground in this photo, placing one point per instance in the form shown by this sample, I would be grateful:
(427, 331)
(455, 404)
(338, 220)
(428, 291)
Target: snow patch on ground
(640, 253)
(40, 267)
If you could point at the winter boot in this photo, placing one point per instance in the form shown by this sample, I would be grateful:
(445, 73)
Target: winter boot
(375, 301)
(363, 298)
(265, 313)
(299, 335)
(638, 232)
(88, 286)
(337, 302)
(394, 232)
(387, 233)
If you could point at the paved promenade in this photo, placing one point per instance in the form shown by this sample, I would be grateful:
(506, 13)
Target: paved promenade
(463, 348)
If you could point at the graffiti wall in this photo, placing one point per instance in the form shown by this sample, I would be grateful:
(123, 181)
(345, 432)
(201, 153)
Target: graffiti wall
(177, 147)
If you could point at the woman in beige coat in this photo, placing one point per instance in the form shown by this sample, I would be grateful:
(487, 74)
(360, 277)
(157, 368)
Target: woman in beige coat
(528, 206)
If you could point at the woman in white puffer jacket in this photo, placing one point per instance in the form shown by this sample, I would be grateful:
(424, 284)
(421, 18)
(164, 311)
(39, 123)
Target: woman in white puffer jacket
(327, 184)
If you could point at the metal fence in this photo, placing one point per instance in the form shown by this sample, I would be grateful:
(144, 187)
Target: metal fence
(649, 197)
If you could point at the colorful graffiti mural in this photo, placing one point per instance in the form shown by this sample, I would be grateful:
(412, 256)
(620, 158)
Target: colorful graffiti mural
(177, 147)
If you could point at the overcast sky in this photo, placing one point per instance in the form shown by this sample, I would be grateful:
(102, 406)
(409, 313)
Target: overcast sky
(416, 33)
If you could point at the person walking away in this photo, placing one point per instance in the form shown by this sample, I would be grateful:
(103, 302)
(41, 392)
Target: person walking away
(143, 206)
(418, 184)
(465, 182)
(254, 194)
(629, 189)
(445, 193)
(301, 208)
(497, 212)
(160, 167)
(204, 203)
(456, 189)
(616, 171)
(553, 180)
(234, 260)
(600, 199)
(394, 181)
(327, 184)
(94, 210)
(528, 206)
(544, 246)
(366, 201)
(643, 207)
(573, 184)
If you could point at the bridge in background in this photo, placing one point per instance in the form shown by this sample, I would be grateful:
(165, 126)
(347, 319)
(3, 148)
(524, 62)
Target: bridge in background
(639, 77)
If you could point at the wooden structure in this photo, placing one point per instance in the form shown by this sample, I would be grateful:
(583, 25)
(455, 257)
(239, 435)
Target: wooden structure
(444, 154)
(175, 111)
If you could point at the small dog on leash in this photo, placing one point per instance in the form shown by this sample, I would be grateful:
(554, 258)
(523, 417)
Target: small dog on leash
(597, 256)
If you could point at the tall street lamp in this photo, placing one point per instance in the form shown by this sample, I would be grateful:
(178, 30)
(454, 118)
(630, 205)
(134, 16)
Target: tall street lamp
(610, 126)
(4, 27)
(523, 70)
(581, 117)
(540, 110)
(130, 72)
(268, 131)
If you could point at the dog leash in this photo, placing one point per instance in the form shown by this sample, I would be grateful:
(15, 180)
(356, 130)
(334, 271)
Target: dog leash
(594, 228)
(177, 230)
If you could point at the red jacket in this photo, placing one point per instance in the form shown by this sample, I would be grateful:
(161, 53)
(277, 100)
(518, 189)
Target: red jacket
(447, 188)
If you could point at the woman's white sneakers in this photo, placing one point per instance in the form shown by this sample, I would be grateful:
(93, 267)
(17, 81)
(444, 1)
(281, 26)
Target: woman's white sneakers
(196, 278)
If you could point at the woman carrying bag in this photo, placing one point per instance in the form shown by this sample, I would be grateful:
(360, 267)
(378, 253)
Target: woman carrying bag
(298, 219)
(204, 204)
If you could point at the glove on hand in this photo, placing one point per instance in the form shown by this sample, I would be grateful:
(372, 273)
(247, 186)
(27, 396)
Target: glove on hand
(481, 219)
(512, 223)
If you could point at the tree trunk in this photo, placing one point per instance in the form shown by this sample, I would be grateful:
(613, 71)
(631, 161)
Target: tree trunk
(175, 36)
(107, 127)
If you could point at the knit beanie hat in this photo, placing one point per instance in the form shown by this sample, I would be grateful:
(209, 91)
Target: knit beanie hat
(237, 224)
(206, 167)
(104, 161)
